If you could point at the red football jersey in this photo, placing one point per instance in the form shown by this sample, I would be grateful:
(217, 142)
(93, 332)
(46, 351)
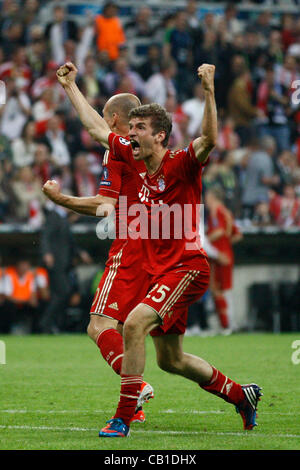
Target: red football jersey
(222, 219)
(169, 209)
(118, 181)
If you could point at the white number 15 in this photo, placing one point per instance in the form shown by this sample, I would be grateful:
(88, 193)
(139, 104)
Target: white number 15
(162, 290)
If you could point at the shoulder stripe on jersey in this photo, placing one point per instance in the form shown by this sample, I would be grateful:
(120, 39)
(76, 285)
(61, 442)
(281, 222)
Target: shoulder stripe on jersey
(105, 158)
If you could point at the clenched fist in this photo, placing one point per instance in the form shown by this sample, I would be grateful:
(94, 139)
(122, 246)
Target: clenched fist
(66, 74)
(52, 190)
(207, 74)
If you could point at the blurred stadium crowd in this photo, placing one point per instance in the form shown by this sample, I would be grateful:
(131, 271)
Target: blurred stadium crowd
(256, 164)
(257, 160)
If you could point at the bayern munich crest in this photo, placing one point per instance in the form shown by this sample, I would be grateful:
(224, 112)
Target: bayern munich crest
(161, 183)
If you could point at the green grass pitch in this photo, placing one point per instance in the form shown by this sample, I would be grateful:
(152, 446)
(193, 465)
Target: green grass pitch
(56, 392)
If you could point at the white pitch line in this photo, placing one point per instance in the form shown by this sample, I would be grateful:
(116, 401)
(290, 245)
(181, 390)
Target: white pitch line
(169, 411)
(103, 411)
(140, 431)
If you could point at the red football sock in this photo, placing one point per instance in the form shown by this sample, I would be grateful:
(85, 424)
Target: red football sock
(110, 343)
(221, 307)
(130, 390)
(224, 387)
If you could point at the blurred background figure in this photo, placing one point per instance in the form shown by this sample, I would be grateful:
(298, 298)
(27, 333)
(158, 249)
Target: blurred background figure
(109, 31)
(21, 301)
(59, 252)
(222, 233)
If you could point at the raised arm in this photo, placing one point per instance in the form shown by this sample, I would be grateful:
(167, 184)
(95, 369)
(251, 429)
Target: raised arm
(94, 205)
(92, 121)
(204, 144)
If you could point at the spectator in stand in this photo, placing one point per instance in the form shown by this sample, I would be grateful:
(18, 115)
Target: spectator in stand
(86, 183)
(55, 138)
(194, 109)
(109, 31)
(23, 148)
(59, 31)
(294, 49)
(177, 140)
(30, 18)
(152, 63)
(20, 297)
(14, 38)
(288, 72)
(15, 112)
(121, 70)
(286, 166)
(89, 83)
(263, 25)
(273, 99)
(252, 49)
(275, 47)
(42, 162)
(179, 47)
(208, 51)
(209, 22)
(239, 100)
(228, 139)
(43, 110)
(262, 216)
(233, 25)
(227, 180)
(36, 56)
(27, 190)
(17, 68)
(46, 81)
(287, 30)
(141, 25)
(192, 18)
(160, 85)
(259, 175)
(9, 14)
(285, 209)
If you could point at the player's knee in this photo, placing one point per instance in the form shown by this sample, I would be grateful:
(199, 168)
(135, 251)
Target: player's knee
(92, 331)
(98, 324)
(131, 328)
(168, 364)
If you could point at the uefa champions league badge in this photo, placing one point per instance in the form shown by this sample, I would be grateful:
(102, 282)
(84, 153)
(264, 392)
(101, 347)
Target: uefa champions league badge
(124, 141)
(105, 173)
(2, 93)
(161, 183)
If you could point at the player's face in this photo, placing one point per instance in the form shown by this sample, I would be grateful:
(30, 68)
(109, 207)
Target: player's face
(141, 138)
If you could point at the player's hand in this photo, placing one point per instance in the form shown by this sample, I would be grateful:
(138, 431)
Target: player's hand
(223, 259)
(52, 190)
(66, 74)
(207, 74)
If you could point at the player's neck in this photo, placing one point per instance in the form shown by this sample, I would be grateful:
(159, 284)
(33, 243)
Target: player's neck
(120, 130)
(153, 162)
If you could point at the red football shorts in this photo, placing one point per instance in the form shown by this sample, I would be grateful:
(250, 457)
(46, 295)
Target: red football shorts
(221, 276)
(172, 293)
(123, 284)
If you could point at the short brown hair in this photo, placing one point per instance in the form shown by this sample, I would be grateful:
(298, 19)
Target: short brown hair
(161, 120)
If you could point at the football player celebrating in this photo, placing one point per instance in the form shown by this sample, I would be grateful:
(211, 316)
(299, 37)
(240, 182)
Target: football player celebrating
(119, 287)
(177, 264)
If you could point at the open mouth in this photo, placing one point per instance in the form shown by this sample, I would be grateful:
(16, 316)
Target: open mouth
(135, 147)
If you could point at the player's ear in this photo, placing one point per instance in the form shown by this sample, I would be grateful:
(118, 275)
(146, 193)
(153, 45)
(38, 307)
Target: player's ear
(114, 119)
(161, 136)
